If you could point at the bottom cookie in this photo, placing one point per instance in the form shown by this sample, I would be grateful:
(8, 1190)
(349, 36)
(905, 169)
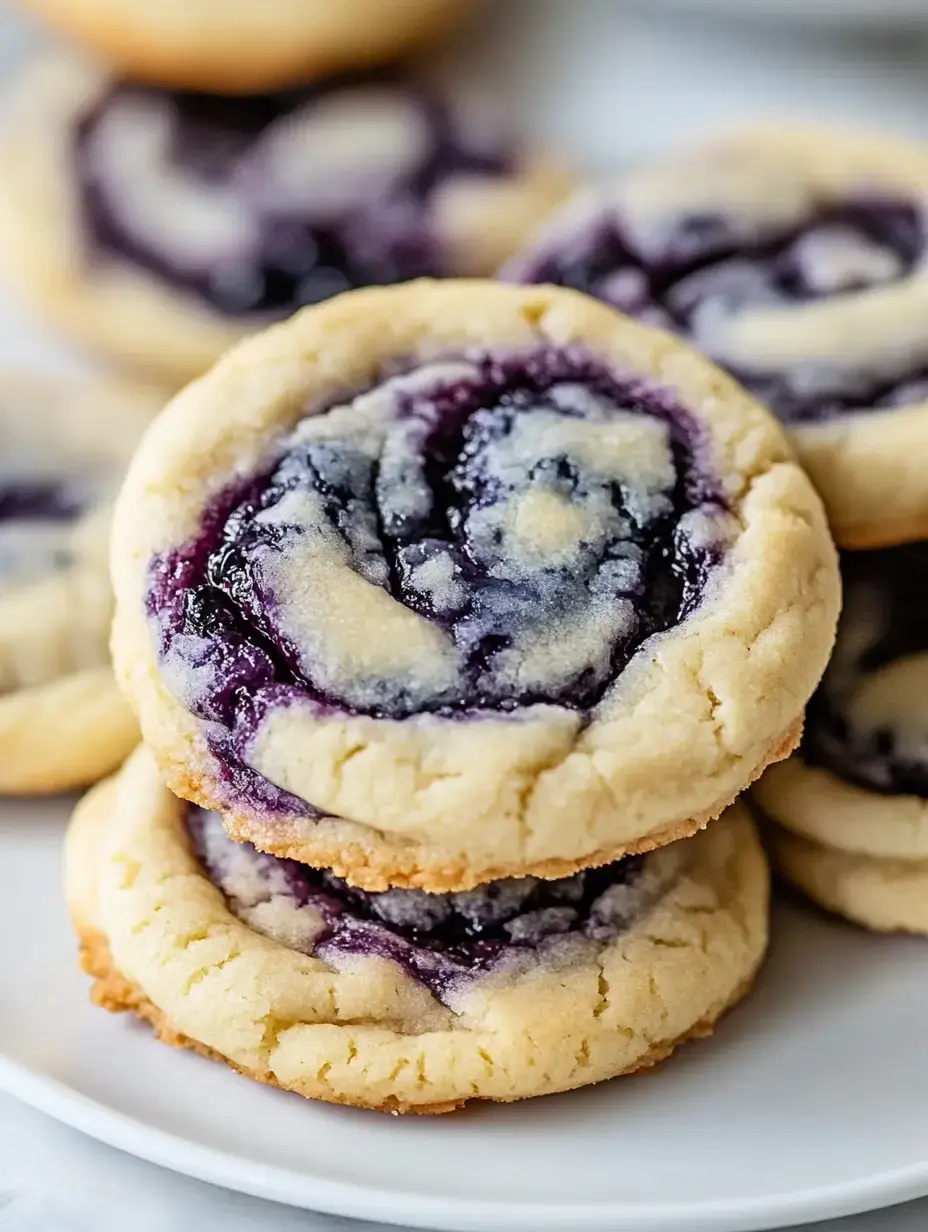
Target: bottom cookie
(407, 1001)
(886, 895)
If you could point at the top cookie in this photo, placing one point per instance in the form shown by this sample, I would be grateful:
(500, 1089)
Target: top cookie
(163, 226)
(797, 259)
(244, 46)
(451, 581)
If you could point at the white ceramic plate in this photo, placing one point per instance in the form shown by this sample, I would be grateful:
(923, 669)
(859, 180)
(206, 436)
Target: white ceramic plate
(809, 1101)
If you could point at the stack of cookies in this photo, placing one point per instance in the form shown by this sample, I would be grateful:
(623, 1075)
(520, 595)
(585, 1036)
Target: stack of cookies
(456, 615)
(796, 259)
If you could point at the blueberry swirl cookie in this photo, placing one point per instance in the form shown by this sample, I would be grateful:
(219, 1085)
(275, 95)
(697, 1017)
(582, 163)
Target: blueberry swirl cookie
(447, 582)
(163, 227)
(244, 46)
(797, 260)
(407, 1001)
(63, 449)
(851, 806)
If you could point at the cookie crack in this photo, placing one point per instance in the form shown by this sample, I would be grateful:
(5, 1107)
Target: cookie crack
(602, 992)
(201, 974)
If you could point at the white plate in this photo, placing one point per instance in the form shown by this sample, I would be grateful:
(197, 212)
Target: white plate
(810, 1101)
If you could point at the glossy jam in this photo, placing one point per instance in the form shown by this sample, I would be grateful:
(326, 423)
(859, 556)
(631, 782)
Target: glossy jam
(426, 499)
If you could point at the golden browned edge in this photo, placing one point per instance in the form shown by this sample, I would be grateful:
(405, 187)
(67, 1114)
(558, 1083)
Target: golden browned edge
(171, 65)
(354, 863)
(113, 992)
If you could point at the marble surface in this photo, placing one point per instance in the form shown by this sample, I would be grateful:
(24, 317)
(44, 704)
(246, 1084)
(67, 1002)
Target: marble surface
(630, 83)
(53, 1179)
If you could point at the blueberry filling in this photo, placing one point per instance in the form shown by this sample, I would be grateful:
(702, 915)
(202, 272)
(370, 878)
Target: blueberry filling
(38, 500)
(868, 721)
(707, 268)
(36, 512)
(480, 534)
(441, 940)
(41, 536)
(269, 203)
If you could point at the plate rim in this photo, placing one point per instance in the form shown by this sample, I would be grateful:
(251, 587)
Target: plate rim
(355, 1200)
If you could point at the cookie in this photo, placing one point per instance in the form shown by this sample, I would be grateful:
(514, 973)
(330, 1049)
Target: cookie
(63, 448)
(163, 227)
(795, 258)
(246, 46)
(851, 806)
(407, 1001)
(885, 895)
(453, 581)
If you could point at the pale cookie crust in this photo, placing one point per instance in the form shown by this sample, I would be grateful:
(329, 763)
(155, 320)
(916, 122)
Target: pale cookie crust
(881, 894)
(131, 315)
(161, 940)
(367, 859)
(63, 722)
(865, 464)
(246, 46)
(815, 804)
(442, 804)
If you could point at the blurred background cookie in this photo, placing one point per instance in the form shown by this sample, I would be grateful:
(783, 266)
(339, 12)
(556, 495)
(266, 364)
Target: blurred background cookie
(244, 46)
(63, 447)
(851, 807)
(162, 227)
(796, 258)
